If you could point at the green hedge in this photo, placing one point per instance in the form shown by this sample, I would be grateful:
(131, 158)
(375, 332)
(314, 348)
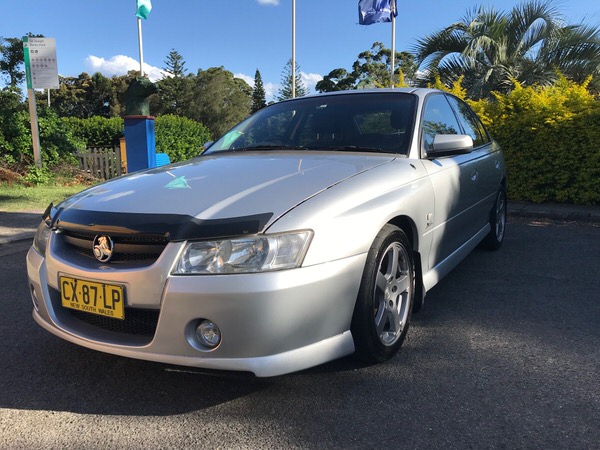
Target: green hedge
(179, 137)
(96, 131)
(551, 139)
(61, 137)
(57, 143)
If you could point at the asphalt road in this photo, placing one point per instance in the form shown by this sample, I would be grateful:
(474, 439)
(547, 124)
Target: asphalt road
(505, 354)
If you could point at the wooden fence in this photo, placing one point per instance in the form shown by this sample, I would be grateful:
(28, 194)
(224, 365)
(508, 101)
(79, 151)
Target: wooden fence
(101, 162)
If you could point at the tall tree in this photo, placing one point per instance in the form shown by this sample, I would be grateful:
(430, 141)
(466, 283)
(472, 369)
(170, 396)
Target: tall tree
(11, 60)
(14, 138)
(120, 84)
(69, 99)
(100, 97)
(491, 48)
(371, 69)
(337, 80)
(220, 100)
(259, 99)
(285, 91)
(175, 88)
(84, 96)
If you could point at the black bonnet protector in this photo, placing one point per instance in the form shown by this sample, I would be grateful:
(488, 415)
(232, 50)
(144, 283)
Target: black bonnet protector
(173, 227)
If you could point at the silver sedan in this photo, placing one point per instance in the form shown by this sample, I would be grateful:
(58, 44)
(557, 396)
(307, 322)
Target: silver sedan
(310, 231)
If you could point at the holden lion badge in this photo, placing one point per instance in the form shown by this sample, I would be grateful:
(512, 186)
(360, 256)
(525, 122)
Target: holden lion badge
(103, 248)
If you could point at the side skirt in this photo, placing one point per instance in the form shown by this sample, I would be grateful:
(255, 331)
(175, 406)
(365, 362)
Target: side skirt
(431, 278)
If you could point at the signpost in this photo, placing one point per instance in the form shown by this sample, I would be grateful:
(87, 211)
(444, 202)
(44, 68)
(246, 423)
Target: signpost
(42, 73)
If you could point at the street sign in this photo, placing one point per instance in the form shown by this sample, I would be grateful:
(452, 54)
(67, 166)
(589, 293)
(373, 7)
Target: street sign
(40, 63)
(41, 72)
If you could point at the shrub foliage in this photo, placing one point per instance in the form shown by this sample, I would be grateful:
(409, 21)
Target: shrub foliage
(61, 137)
(550, 136)
(551, 139)
(95, 131)
(179, 137)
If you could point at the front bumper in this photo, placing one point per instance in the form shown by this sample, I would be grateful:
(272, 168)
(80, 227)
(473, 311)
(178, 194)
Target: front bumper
(271, 323)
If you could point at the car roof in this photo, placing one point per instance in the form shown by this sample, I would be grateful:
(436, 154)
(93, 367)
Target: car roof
(403, 90)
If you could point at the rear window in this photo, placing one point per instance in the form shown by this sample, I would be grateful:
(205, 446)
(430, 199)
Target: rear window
(470, 122)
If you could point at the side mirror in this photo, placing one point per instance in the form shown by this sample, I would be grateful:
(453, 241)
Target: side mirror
(450, 144)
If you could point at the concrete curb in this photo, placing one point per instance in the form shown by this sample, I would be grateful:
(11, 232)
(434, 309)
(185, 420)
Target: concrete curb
(561, 212)
(18, 226)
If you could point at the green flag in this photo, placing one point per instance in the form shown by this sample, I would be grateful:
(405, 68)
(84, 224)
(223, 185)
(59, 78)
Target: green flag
(143, 8)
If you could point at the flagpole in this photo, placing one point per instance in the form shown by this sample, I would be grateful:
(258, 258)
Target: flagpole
(293, 48)
(139, 26)
(393, 46)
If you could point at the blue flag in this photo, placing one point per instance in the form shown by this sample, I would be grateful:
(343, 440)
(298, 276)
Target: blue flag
(143, 8)
(376, 11)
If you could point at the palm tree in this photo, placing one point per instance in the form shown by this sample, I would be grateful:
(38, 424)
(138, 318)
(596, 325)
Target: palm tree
(490, 49)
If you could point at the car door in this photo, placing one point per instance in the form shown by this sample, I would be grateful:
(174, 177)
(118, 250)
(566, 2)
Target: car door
(455, 180)
(486, 159)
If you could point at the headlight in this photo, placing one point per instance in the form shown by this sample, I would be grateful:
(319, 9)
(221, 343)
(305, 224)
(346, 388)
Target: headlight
(40, 240)
(244, 254)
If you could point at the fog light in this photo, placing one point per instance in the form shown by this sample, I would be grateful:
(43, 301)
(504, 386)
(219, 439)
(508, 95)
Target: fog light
(208, 333)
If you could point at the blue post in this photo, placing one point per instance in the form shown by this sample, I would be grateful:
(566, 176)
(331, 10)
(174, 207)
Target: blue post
(140, 142)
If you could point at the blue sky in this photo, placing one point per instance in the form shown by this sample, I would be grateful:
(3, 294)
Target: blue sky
(240, 35)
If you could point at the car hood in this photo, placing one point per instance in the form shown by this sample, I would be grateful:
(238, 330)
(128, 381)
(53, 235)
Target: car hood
(211, 195)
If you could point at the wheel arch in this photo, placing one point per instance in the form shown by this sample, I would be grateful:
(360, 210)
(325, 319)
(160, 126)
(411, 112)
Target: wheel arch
(406, 224)
(409, 227)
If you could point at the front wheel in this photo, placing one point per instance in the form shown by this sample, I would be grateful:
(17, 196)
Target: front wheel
(382, 312)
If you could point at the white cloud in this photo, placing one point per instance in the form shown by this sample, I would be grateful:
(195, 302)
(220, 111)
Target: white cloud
(247, 78)
(120, 65)
(310, 80)
(270, 91)
(268, 2)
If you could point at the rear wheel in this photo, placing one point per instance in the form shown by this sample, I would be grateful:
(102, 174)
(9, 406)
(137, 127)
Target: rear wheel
(382, 312)
(494, 239)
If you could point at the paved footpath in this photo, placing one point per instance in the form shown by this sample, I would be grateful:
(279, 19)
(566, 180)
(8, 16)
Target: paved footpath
(17, 226)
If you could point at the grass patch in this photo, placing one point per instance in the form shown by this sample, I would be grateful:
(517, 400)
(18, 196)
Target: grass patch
(16, 197)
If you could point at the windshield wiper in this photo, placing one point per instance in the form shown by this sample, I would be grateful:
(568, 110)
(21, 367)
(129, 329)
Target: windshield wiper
(349, 148)
(267, 147)
(256, 148)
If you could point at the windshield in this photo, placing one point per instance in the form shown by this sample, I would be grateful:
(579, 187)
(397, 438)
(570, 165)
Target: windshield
(373, 122)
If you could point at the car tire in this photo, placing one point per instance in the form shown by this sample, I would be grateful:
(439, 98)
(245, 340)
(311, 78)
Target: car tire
(385, 298)
(494, 239)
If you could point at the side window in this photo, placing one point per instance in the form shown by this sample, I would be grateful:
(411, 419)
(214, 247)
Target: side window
(469, 121)
(438, 118)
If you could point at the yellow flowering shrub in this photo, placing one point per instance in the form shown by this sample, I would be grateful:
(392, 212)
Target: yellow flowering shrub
(551, 139)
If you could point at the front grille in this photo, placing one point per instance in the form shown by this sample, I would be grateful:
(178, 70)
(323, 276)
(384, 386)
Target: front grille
(140, 249)
(140, 322)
